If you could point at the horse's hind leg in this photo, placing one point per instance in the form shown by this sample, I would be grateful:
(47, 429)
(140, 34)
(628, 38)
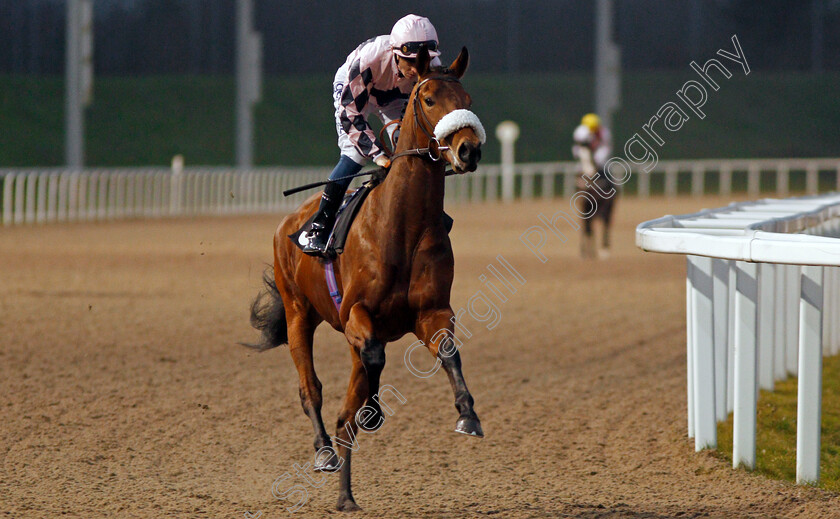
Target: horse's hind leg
(434, 328)
(300, 346)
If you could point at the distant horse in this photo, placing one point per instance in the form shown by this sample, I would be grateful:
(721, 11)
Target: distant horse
(395, 274)
(603, 193)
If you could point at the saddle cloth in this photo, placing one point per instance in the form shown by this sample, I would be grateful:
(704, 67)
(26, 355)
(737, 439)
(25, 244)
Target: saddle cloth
(346, 214)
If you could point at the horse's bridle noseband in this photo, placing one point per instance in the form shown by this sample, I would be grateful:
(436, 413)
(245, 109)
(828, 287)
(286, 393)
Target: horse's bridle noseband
(434, 151)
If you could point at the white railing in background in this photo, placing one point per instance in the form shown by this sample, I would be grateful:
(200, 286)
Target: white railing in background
(56, 195)
(762, 302)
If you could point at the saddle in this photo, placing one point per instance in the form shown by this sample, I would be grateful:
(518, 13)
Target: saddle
(344, 219)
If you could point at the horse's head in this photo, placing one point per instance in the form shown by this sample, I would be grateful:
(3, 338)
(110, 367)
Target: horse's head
(441, 110)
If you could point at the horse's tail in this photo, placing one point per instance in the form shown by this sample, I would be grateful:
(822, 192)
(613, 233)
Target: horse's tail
(269, 316)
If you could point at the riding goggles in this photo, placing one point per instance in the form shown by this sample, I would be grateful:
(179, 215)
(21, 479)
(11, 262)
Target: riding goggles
(413, 47)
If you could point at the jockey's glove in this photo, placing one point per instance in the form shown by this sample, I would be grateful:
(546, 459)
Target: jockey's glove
(383, 161)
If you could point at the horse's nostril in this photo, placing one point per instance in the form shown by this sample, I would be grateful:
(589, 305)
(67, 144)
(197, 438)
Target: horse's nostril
(464, 152)
(469, 153)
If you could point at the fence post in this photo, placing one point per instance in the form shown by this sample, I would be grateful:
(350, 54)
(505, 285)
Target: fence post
(809, 391)
(701, 292)
(725, 179)
(507, 132)
(746, 366)
(766, 330)
(834, 290)
(527, 184)
(52, 202)
(698, 174)
(548, 183)
(689, 343)
(22, 203)
(569, 177)
(8, 181)
(837, 177)
(792, 291)
(671, 181)
(721, 332)
(753, 180)
(176, 182)
(644, 184)
(782, 179)
(811, 179)
(732, 287)
(779, 287)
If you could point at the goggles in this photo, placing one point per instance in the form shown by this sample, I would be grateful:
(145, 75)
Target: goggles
(413, 47)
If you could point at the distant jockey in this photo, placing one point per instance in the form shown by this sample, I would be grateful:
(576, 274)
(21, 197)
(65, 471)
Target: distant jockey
(592, 145)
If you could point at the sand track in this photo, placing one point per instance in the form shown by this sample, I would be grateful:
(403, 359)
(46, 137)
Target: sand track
(124, 395)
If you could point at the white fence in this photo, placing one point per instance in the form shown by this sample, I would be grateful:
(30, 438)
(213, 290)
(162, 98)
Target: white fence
(38, 196)
(762, 302)
(57, 195)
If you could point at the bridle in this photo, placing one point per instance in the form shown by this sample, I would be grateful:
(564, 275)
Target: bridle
(434, 151)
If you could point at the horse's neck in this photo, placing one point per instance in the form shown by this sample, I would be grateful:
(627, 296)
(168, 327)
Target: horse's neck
(414, 188)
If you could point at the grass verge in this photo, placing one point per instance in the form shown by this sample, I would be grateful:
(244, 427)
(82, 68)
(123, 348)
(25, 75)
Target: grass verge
(776, 430)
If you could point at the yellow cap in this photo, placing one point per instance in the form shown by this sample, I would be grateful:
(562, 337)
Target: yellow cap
(591, 121)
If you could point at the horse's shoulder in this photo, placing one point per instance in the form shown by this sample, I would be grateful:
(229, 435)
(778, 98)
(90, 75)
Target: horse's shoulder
(434, 245)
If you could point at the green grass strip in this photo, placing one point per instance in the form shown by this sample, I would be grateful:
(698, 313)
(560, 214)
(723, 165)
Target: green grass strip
(776, 430)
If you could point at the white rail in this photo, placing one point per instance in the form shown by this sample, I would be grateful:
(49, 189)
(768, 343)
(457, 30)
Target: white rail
(762, 301)
(58, 195)
(51, 195)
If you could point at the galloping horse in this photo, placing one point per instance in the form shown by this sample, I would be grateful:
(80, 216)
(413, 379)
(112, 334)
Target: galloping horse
(603, 192)
(395, 273)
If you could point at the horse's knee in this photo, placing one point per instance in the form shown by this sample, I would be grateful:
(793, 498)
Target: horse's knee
(359, 327)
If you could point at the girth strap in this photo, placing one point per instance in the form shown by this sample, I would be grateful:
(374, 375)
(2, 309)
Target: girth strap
(332, 285)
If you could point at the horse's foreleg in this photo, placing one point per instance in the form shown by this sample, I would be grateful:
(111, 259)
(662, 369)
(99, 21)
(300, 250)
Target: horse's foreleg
(346, 429)
(300, 346)
(587, 240)
(434, 328)
(359, 333)
(607, 219)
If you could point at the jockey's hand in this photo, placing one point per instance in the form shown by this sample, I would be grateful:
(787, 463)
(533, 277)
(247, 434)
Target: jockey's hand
(383, 161)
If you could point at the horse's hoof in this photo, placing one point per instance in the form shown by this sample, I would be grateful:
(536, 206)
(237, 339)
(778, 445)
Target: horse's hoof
(348, 505)
(327, 464)
(469, 426)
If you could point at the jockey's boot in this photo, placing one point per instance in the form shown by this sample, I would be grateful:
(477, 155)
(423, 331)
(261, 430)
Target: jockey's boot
(323, 223)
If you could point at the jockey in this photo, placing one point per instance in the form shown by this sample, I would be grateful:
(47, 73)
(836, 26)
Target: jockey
(596, 139)
(377, 78)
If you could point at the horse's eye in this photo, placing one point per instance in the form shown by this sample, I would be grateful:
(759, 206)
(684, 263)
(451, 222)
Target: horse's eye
(429, 102)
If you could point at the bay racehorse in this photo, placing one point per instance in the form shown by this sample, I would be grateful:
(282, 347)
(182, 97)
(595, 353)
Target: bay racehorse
(394, 275)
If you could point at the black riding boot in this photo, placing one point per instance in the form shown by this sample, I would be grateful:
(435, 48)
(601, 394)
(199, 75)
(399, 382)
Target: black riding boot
(325, 219)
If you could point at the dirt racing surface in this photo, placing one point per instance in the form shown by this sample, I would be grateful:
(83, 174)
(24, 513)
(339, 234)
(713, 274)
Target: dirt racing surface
(123, 392)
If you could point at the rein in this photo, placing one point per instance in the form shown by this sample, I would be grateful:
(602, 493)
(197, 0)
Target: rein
(434, 151)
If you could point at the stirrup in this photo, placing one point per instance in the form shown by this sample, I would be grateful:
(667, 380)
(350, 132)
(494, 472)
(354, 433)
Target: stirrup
(316, 246)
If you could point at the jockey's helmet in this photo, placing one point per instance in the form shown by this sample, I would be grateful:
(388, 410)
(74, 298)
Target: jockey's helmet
(412, 31)
(591, 121)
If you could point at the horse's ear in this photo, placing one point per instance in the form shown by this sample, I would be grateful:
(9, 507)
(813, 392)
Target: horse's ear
(423, 61)
(459, 66)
